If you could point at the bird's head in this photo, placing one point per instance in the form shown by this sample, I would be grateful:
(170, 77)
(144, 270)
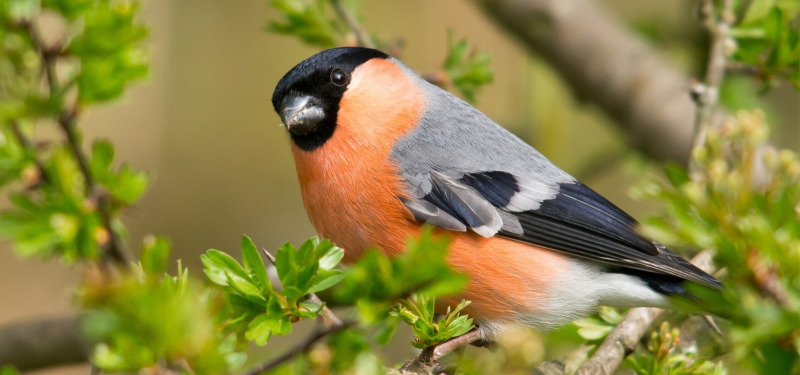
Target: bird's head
(359, 88)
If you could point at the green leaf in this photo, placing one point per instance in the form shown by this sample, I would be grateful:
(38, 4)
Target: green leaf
(284, 261)
(307, 20)
(592, 330)
(676, 174)
(467, 72)
(325, 280)
(260, 329)
(102, 156)
(757, 10)
(219, 265)
(129, 185)
(254, 265)
(222, 269)
(386, 330)
(332, 256)
(310, 309)
(19, 10)
(155, 254)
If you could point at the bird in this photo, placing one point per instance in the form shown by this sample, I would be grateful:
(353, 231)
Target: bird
(380, 153)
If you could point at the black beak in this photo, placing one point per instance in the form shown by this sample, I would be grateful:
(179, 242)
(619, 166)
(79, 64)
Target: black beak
(301, 114)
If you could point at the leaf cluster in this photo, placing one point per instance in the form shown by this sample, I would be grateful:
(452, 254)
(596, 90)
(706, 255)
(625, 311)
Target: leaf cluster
(742, 198)
(69, 201)
(312, 21)
(768, 39)
(663, 357)
(466, 70)
(419, 313)
(385, 291)
(254, 305)
(145, 318)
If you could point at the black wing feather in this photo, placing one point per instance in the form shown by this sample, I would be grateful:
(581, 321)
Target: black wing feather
(582, 223)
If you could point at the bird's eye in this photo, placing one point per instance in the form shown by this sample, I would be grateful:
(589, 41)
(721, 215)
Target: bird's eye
(339, 77)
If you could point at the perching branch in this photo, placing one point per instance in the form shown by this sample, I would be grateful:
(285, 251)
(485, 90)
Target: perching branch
(608, 65)
(43, 343)
(112, 248)
(428, 360)
(622, 340)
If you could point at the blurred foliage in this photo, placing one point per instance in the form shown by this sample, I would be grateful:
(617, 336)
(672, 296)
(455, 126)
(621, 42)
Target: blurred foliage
(8, 370)
(465, 70)
(68, 204)
(663, 358)
(742, 198)
(144, 318)
(768, 39)
(315, 23)
(310, 20)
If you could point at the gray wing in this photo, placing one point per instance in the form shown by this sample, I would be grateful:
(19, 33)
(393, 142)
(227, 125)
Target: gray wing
(464, 172)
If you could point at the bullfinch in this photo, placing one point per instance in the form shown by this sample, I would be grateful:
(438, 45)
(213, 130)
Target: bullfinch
(380, 152)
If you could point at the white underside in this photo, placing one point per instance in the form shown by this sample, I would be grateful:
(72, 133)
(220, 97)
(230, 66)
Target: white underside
(579, 293)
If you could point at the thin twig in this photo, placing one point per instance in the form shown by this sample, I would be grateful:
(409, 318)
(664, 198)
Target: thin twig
(362, 36)
(28, 145)
(329, 319)
(303, 347)
(112, 248)
(707, 94)
(622, 340)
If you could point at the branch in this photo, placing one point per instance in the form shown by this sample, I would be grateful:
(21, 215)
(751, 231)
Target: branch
(112, 248)
(42, 343)
(622, 340)
(706, 95)
(301, 348)
(427, 362)
(607, 64)
(362, 36)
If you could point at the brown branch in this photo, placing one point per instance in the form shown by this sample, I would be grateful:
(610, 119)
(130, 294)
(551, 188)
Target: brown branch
(427, 362)
(622, 340)
(362, 36)
(303, 347)
(42, 343)
(112, 248)
(607, 64)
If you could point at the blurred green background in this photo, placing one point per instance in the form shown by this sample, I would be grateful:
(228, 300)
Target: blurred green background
(203, 127)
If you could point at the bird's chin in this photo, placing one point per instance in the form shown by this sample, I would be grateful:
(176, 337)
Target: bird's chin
(301, 129)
